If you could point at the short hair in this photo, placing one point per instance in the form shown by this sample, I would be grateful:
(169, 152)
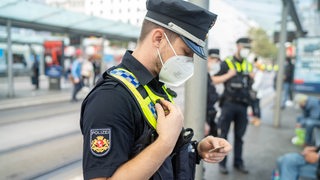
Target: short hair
(148, 26)
(300, 98)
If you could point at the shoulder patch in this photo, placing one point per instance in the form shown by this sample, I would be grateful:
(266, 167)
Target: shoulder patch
(100, 141)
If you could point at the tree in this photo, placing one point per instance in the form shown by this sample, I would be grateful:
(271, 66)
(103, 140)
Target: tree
(262, 45)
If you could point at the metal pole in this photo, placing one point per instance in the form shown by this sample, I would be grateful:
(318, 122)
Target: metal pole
(281, 58)
(41, 62)
(195, 97)
(10, 61)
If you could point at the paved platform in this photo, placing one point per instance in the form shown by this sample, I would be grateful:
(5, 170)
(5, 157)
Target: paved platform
(25, 93)
(262, 146)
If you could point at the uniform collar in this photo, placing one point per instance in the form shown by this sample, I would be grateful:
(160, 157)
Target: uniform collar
(135, 67)
(143, 75)
(238, 60)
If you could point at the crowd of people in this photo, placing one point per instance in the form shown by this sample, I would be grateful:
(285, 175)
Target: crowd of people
(244, 85)
(237, 97)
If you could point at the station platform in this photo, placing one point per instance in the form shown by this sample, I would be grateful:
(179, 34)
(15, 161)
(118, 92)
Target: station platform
(25, 93)
(262, 144)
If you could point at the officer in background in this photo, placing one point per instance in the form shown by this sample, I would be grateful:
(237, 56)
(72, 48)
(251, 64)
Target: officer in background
(236, 75)
(131, 128)
(212, 95)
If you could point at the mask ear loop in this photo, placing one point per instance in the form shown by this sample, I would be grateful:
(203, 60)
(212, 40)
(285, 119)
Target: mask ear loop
(160, 57)
(170, 44)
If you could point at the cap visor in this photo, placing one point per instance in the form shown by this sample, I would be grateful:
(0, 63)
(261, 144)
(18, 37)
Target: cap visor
(194, 47)
(214, 55)
(246, 45)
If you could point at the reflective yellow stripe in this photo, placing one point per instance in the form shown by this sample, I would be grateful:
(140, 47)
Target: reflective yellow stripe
(245, 66)
(142, 102)
(169, 95)
(230, 64)
(238, 67)
(154, 98)
(147, 104)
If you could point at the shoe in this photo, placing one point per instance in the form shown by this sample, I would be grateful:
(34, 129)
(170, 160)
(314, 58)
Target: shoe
(242, 169)
(297, 141)
(257, 122)
(289, 103)
(223, 169)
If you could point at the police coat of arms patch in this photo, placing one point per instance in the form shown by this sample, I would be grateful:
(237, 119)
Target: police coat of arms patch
(100, 141)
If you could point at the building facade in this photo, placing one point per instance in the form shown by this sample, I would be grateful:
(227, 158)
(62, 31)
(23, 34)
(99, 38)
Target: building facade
(127, 11)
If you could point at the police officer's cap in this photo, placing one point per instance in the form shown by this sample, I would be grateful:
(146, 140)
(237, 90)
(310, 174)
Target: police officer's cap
(191, 22)
(214, 53)
(244, 41)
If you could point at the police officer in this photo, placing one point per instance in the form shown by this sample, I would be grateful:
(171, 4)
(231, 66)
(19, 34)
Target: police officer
(131, 127)
(235, 73)
(212, 95)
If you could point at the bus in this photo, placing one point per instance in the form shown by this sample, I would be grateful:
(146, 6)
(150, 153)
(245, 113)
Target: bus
(307, 66)
(22, 58)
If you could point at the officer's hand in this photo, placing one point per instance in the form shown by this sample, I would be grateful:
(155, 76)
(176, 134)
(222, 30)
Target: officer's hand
(209, 143)
(170, 122)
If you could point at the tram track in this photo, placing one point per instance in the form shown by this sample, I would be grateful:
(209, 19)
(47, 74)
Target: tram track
(38, 159)
(40, 141)
(36, 112)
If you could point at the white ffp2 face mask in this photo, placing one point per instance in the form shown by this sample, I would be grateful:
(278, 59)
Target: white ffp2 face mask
(214, 69)
(177, 69)
(244, 53)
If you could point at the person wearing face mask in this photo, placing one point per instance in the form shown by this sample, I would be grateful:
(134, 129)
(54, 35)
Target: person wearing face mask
(236, 74)
(212, 95)
(213, 61)
(131, 127)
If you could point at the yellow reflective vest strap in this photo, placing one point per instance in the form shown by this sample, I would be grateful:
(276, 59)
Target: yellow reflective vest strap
(245, 66)
(230, 64)
(146, 104)
(275, 67)
(151, 95)
(154, 97)
(168, 94)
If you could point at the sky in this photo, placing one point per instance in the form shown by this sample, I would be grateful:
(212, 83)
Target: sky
(267, 13)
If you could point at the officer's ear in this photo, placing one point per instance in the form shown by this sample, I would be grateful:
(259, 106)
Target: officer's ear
(157, 37)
